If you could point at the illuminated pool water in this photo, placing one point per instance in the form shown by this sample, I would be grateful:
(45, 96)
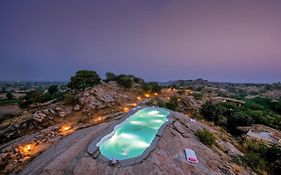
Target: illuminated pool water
(130, 138)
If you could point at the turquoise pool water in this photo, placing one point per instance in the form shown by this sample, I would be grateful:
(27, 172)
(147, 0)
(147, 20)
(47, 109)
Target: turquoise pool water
(130, 138)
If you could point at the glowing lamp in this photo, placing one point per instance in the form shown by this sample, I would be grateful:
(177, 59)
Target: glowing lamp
(65, 128)
(147, 95)
(138, 97)
(126, 109)
(26, 148)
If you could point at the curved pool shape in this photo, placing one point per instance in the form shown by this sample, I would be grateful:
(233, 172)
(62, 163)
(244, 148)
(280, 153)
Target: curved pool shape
(130, 138)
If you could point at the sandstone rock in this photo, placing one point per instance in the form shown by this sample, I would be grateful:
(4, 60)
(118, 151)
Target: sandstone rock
(62, 114)
(37, 117)
(25, 113)
(52, 111)
(77, 108)
(100, 96)
(230, 149)
(58, 109)
(46, 111)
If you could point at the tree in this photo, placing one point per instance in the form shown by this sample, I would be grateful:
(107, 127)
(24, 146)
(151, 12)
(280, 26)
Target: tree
(110, 76)
(84, 79)
(3, 89)
(152, 87)
(53, 89)
(125, 81)
(9, 95)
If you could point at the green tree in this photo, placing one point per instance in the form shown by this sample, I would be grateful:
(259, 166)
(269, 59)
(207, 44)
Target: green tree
(125, 81)
(84, 79)
(110, 76)
(152, 87)
(53, 89)
(9, 95)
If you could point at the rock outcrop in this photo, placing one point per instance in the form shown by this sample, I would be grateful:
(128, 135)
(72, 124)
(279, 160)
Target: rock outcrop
(167, 158)
(99, 97)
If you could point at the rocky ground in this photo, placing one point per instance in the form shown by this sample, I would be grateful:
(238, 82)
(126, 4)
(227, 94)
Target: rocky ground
(69, 156)
(51, 138)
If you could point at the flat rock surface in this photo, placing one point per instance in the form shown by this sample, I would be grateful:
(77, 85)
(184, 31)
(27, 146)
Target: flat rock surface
(69, 156)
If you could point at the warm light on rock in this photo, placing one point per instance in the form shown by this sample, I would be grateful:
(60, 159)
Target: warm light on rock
(126, 109)
(138, 97)
(65, 128)
(26, 149)
(147, 95)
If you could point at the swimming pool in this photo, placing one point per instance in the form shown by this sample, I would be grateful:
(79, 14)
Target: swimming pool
(130, 138)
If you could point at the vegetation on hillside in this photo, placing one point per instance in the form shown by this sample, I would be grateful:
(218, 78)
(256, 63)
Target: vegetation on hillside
(230, 116)
(152, 87)
(84, 79)
(261, 157)
(205, 137)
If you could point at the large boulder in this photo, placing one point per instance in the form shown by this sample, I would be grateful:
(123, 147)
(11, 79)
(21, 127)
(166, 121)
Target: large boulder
(99, 97)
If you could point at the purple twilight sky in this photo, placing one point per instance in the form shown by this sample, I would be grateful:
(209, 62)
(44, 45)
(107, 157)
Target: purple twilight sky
(160, 40)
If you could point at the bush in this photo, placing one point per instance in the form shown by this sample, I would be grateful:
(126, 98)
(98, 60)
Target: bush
(110, 76)
(9, 95)
(261, 157)
(53, 89)
(125, 82)
(70, 99)
(205, 137)
(230, 116)
(152, 87)
(197, 95)
(170, 105)
(84, 79)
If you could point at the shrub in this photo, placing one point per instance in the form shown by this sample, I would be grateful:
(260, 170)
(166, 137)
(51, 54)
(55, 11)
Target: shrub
(152, 87)
(205, 137)
(197, 95)
(53, 89)
(125, 81)
(9, 95)
(84, 79)
(261, 157)
(170, 105)
(110, 76)
(70, 99)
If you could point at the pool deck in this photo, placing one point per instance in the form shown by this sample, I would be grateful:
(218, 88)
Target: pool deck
(94, 151)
